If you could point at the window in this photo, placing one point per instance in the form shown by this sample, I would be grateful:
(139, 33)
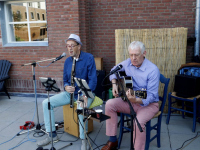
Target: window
(30, 4)
(25, 15)
(32, 15)
(38, 16)
(38, 4)
(43, 17)
(42, 32)
(20, 27)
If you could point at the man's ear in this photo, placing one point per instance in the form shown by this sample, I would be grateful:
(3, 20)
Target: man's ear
(79, 47)
(144, 54)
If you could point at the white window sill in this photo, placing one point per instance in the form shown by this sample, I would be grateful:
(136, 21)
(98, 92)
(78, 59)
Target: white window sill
(16, 44)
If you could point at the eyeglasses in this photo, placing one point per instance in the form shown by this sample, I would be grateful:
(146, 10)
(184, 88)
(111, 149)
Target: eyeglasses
(72, 46)
(135, 55)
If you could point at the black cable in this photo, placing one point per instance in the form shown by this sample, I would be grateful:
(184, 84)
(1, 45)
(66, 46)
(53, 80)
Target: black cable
(99, 146)
(40, 135)
(169, 136)
(103, 81)
(188, 140)
(73, 115)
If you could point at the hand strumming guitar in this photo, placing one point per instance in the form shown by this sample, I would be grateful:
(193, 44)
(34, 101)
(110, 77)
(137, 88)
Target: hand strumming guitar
(132, 97)
(70, 89)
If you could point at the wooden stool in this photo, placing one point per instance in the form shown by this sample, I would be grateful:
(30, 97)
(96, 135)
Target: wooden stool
(71, 125)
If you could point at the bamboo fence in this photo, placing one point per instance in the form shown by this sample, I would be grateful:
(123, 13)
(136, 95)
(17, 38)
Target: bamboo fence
(166, 47)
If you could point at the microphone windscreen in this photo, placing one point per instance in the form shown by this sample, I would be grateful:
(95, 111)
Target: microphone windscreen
(63, 55)
(120, 66)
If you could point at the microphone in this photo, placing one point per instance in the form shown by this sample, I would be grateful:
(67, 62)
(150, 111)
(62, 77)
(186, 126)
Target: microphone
(59, 57)
(116, 69)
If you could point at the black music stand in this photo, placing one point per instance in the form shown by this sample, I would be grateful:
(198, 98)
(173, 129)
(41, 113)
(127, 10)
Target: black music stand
(50, 85)
(83, 86)
(132, 113)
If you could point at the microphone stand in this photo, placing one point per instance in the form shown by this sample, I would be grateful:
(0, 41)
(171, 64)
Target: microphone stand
(38, 126)
(132, 113)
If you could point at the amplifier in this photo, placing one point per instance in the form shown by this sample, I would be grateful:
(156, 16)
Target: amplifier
(187, 86)
(99, 88)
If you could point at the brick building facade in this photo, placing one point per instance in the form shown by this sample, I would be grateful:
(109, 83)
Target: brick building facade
(95, 21)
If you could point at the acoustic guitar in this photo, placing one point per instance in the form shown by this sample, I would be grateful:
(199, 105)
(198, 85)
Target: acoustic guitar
(127, 83)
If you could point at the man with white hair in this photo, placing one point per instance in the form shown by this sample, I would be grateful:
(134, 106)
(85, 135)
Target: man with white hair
(85, 69)
(145, 75)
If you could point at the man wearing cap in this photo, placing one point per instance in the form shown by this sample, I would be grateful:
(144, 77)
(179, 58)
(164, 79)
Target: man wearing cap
(85, 69)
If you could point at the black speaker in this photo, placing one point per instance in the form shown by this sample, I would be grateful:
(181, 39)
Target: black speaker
(99, 88)
(187, 86)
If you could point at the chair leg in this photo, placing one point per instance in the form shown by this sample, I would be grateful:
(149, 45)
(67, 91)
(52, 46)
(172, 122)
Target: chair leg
(5, 90)
(159, 129)
(169, 108)
(121, 130)
(194, 115)
(183, 115)
(148, 134)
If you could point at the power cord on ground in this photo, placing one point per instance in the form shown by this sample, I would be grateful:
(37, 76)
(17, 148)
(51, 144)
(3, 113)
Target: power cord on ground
(189, 142)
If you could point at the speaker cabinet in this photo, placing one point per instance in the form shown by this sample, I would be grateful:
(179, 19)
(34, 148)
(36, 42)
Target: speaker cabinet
(187, 86)
(99, 88)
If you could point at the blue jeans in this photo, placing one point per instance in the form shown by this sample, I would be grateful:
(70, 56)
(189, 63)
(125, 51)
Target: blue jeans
(57, 100)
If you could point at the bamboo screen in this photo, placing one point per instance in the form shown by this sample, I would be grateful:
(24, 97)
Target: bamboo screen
(166, 47)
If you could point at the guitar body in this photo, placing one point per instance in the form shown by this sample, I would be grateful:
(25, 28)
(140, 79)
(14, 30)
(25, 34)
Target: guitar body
(127, 83)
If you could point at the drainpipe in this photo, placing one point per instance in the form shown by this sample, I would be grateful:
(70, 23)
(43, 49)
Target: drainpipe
(196, 49)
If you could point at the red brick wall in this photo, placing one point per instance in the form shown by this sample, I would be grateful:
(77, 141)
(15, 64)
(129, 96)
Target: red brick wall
(84, 24)
(108, 15)
(95, 21)
(63, 19)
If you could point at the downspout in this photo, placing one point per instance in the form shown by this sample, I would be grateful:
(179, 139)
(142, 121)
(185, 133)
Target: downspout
(196, 49)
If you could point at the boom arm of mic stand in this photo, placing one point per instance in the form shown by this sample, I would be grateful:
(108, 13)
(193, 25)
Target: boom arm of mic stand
(38, 62)
(131, 108)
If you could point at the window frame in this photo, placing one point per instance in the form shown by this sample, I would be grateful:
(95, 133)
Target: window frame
(6, 40)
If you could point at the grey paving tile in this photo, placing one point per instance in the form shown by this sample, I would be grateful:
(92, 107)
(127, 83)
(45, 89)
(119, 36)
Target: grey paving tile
(178, 139)
(15, 111)
(10, 144)
(178, 124)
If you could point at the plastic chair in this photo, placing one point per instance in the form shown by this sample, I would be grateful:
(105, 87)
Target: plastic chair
(4, 69)
(156, 127)
(183, 100)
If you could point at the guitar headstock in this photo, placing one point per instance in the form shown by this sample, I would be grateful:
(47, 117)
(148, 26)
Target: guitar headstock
(142, 94)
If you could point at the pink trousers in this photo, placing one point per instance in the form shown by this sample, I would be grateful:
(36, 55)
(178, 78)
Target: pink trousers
(143, 114)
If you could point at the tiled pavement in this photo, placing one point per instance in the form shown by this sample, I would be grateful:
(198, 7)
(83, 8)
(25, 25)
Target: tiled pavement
(15, 111)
